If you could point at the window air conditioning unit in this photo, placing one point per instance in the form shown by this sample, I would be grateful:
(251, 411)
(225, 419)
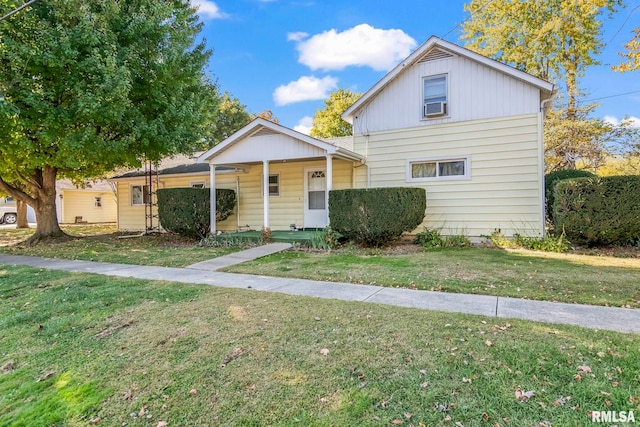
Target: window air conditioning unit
(435, 109)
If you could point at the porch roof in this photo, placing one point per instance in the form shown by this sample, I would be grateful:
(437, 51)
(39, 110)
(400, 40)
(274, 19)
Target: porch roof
(262, 140)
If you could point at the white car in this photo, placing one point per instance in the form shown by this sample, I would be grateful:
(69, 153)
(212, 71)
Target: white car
(8, 212)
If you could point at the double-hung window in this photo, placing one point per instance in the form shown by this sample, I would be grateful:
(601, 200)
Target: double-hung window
(438, 169)
(434, 96)
(139, 194)
(274, 185)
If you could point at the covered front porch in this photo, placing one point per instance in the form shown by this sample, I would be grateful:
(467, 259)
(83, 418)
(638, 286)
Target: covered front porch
(289, 175)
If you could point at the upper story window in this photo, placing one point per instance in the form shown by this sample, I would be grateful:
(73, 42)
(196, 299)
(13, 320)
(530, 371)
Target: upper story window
(435, 97)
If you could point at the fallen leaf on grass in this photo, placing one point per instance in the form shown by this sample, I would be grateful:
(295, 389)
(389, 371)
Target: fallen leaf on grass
(95, 420)
(633, 400)
(488, 343)
(46, 376)
(7, 366)
(193, 392)
(397, 422)
(523, 396)
(127, 396)
(162, 424)
(143, 410)
(237, 352)
(324, 352)
(584, 369)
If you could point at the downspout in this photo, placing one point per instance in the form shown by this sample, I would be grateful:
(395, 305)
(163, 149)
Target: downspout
(238, 200)
(543, 201)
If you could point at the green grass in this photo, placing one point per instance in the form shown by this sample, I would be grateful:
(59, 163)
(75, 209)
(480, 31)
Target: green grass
(568, 278)
(104, 243)
(76, 347)
(595, 278)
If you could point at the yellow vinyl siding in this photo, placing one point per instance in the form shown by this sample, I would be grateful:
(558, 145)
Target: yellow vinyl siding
(285, 209)
(81, 203)
(288, 207)
(505, 183)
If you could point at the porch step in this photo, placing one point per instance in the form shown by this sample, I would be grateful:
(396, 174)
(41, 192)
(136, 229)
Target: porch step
(240, 257)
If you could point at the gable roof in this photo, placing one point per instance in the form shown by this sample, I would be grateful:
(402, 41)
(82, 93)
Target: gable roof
(436, 47)
(262, 127)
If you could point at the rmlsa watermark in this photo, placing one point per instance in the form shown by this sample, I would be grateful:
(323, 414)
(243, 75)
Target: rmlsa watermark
(612, 416)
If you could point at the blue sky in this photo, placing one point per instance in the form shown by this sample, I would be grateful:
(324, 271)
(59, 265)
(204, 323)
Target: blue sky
(287, 56)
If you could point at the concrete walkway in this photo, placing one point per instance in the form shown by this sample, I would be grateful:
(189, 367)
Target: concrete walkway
(240, 257)
(595, 317)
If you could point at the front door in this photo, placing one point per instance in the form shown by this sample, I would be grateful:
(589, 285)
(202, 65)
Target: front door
(315, 201)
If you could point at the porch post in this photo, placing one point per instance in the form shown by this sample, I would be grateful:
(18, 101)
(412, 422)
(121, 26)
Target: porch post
(329, 183)
(212, 192)
(265, 191)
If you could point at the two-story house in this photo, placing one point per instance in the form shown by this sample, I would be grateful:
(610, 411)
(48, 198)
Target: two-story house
(466, 128)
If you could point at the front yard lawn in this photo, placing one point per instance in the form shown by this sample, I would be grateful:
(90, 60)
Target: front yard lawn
(104, 243)
(571, 278)
(81, 349)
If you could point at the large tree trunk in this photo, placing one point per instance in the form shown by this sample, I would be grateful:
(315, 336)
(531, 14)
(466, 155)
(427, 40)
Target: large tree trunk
(47, 227)
(22, 214)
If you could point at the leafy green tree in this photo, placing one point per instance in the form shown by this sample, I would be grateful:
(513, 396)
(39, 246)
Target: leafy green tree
(556, 40)
(88, 86)
(631, 58)
(230, 116)
(583, 141)
(328, 122)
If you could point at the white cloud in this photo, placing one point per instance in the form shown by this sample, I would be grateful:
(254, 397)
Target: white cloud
(306, 88)
(207, 9)
(361, 45)
(304, 125)
(296, 37)
(635, 121)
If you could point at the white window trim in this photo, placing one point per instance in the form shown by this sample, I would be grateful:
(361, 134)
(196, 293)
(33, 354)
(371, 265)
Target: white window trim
(447, 76)
(131, 194)
(95, 202)
(467, 168)
(193, 184)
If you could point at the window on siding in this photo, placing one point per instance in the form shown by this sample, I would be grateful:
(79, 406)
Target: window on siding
(434, 96)
(139, 194)
(274, 185)
(438, 169)
(97, 202)
(197, 184)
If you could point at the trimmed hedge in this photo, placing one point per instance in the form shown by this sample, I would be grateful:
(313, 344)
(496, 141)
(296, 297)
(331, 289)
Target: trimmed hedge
(552, 178)
(186, 210)
(376, 216)
(599, 211)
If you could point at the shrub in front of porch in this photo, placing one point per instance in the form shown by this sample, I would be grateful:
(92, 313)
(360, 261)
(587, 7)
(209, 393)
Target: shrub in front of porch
(186, 210)
(376, 216)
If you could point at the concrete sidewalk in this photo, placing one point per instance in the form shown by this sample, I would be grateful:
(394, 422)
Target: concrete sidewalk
(240, 257)
(595, 317)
